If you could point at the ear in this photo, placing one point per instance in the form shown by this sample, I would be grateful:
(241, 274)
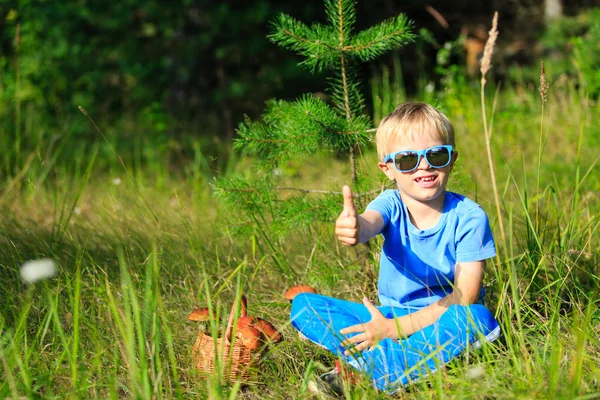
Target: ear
(387, 170)
(453, 160)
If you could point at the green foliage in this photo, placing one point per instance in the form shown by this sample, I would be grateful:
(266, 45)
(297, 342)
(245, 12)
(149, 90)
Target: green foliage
(586, 51)
(157, 69)
(575, 44)
(310, 124)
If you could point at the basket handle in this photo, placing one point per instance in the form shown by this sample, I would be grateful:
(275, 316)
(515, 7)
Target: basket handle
(243, 313)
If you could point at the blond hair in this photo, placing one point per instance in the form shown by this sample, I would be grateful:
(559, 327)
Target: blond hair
(409, 120)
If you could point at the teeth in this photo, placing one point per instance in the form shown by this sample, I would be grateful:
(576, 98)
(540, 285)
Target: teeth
(428, 179)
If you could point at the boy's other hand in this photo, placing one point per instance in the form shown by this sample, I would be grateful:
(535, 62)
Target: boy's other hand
(347, 227)
(367, 334)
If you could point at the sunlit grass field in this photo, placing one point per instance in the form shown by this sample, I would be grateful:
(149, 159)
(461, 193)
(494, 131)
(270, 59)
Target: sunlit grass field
(139, 246)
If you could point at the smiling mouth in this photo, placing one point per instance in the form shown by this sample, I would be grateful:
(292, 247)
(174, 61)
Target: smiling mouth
(426, 179)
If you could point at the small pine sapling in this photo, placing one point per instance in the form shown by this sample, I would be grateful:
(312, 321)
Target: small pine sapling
(310, 124)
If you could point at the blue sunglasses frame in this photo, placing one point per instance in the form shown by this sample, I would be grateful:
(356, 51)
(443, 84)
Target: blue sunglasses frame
(420, 154)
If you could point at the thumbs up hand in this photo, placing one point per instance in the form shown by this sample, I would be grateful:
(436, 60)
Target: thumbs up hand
(347, 227)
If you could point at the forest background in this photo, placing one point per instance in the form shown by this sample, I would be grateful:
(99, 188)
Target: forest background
(168, 70)
(117, 123)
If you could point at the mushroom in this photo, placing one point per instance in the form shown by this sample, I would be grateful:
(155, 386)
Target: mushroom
(267, 330)
(199, 314)
(292, 292)
(250, 337)
(244, 322)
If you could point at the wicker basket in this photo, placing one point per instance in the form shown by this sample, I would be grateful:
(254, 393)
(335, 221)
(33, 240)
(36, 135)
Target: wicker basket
(236, 361)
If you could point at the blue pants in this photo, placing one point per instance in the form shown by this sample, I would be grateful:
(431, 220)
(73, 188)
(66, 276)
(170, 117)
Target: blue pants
(393, 364)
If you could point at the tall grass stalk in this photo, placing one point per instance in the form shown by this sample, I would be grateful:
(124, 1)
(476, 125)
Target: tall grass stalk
(543, 89)
(522, 358)
(485, 66)
(75, 336)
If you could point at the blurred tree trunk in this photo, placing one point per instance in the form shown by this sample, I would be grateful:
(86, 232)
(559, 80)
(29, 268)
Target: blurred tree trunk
(552, 10)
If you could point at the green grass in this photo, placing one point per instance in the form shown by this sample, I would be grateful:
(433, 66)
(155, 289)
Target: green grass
(136, 257)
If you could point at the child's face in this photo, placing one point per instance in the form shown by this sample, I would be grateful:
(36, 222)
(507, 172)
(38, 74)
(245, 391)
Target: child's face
(424, 184)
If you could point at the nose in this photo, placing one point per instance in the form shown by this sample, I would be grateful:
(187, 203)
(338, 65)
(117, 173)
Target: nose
(423, 164)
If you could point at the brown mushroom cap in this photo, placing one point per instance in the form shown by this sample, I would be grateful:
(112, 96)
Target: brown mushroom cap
(244, 322)
(250, 337)
(199, 314)
(268, 330)
(293, 291)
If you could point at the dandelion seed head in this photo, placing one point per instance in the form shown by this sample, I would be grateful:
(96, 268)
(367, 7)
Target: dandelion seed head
(35, 270)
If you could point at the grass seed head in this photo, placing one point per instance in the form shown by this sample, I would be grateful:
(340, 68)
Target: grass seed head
(486, 60)
(543, 84)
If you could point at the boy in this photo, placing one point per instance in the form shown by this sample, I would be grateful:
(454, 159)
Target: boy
(431, 267)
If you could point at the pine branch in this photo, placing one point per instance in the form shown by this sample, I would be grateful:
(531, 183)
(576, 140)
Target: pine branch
(345, 90)
(344, 74)
(303, 211)
(303, 126)
(373, 42)
(341, 15)
(248, 195)
(317, 43)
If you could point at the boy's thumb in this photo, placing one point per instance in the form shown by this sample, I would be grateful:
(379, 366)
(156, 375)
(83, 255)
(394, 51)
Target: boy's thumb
(348, 201)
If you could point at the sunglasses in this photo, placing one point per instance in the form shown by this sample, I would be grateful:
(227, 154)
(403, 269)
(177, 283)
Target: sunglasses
(408, 160)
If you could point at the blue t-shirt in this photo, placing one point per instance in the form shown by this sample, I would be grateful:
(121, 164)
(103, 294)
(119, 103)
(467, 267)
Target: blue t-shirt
(417, 266)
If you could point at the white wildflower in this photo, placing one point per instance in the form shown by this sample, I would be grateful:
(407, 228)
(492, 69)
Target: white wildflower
(77, 210)
(35, 270)
(117, 181)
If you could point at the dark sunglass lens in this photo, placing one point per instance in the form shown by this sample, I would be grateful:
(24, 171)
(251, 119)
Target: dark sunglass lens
(406, 161)
(438, 157)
